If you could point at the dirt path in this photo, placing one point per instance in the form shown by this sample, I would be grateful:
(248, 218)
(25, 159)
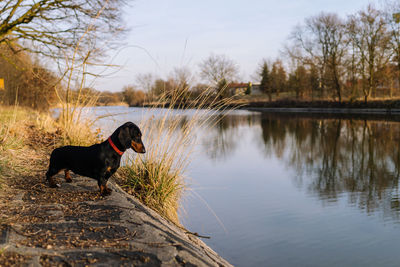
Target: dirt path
(74, 226)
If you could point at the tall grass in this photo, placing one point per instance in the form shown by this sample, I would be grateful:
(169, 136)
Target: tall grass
(14, 133)
(10, 136)
(7, 138)
(157, 178)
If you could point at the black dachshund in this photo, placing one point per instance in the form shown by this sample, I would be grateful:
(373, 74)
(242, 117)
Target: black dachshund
(98, 161)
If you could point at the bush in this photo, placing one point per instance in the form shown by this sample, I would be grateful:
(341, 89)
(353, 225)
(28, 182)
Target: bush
(133, 97)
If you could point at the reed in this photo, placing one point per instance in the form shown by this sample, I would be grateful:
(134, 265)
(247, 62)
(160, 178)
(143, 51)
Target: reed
(157, 178)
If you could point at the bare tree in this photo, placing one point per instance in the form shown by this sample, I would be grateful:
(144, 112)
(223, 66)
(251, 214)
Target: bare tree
(392, 17)
(368, 32)
(322, 42)
(216, 68)
(145, 81)
(183, 77)
(51, 27)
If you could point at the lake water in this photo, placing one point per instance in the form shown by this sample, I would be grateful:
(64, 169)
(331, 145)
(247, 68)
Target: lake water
(289, 190)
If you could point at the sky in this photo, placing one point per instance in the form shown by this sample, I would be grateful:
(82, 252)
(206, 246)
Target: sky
(168, 34)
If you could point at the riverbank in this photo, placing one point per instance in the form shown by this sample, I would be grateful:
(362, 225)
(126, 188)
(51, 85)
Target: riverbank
(341, 111)
(382, 109)
(294, 105)
(73, 225)
(322, 104)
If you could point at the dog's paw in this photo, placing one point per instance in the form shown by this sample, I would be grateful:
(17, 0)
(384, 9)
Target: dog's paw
(54, 185)
(105, 192)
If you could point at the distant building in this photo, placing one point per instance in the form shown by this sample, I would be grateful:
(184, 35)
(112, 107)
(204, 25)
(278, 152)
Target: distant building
(240, 88)
(237, 88)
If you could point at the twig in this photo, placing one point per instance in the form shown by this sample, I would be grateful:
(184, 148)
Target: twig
(196, 234)
(27, 235)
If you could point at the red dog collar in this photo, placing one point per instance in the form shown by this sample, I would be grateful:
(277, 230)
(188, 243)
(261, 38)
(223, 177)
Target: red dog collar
(115, 147)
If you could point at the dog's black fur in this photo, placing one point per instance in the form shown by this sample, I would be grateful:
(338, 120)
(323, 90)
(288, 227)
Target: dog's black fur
(98, 161)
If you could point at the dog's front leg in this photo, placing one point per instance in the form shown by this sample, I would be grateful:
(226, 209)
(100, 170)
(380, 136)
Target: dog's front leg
(104, 190)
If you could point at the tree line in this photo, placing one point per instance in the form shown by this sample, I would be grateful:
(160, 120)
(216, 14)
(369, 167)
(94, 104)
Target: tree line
(326, 57)
(347, 58)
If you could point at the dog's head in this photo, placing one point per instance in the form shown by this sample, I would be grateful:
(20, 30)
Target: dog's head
(130, 136)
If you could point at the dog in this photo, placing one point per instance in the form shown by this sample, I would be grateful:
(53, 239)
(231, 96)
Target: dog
(99, 161)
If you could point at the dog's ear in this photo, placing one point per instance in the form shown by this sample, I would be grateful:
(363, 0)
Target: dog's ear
(124, 137)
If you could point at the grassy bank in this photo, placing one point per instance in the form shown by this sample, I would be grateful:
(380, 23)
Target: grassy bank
(27, 137)
(156, 178)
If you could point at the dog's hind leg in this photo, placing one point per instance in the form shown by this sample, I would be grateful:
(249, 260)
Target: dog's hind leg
(49, 177)
(68, 178)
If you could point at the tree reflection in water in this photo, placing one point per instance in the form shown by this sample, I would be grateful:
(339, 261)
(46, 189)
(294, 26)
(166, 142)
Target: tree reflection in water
(331, 156)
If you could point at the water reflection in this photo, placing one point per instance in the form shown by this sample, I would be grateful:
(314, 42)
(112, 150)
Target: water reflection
(330, 156)
(221, 140)
(291, 190)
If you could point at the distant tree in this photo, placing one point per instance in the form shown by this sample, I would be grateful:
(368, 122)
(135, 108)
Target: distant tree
(164, 88)
(37, 89)
(27, 82)
(183, 78)
(218, 69)
(145, 81)
(221, 88)
(132, 96)
(299, 81)
(368, 31)
(392, 18)
(322, 40)
(109, 98)
(265, 83)
(278, 77)
(198, 89)
(314, 81)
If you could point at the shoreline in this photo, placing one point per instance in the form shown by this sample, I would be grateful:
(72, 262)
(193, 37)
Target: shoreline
(73, 225)
(292, 105)
(342, 111)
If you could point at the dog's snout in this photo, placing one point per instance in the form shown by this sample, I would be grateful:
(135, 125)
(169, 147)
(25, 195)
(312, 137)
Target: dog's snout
(138, 147)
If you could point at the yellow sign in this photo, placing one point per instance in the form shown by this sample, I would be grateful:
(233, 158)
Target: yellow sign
(1, 84)
(396, 17)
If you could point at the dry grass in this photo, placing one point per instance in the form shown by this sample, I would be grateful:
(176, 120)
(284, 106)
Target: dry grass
(157, 177)
(28, 136)
(15, 134)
